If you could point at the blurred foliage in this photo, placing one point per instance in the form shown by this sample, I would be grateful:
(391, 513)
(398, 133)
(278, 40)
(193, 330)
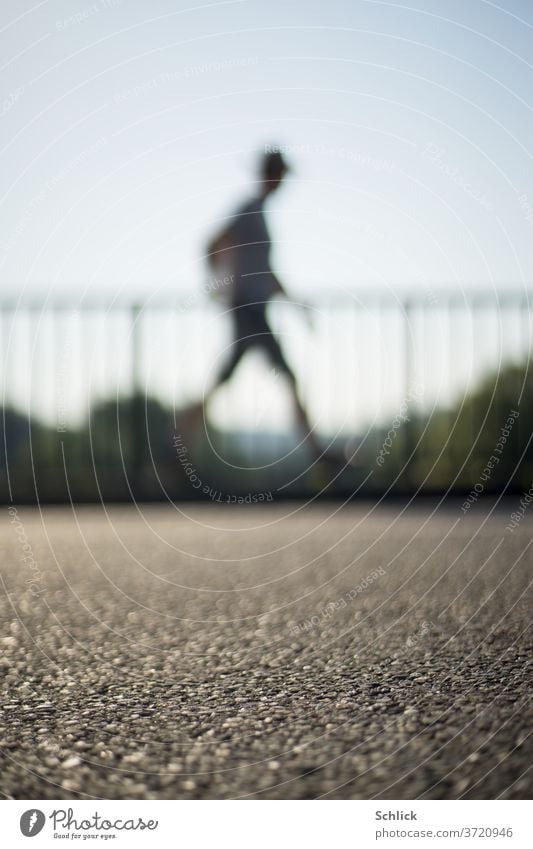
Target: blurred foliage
(453, 448)
(127, 447)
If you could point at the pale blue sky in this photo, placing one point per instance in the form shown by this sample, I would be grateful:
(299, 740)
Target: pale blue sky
(128, 128)
(132, 125)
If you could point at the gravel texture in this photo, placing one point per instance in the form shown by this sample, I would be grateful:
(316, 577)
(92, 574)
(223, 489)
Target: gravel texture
(267, 652)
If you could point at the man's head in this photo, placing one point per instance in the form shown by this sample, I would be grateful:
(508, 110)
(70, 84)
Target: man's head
(272, 170)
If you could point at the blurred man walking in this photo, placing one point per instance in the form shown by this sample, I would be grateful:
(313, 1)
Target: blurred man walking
(241, 250)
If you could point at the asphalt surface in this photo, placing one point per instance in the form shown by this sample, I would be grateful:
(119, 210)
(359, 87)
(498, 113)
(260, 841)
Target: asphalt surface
(266, 652)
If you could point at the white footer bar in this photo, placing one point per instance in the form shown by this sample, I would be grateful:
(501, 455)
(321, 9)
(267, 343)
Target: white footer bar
(267, 824)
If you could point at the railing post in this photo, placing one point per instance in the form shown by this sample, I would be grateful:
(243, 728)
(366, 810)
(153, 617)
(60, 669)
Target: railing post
(136, 408)
(409, 442)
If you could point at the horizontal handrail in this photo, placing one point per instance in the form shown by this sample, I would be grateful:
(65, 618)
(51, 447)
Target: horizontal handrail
(197, 299)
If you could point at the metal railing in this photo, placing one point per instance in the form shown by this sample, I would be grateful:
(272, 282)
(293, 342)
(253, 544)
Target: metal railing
(368, 354)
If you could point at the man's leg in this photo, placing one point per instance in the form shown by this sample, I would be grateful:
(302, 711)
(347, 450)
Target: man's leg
(302, 419)
(235, 355)
(193, 415)
(272, 347)
(241, 342)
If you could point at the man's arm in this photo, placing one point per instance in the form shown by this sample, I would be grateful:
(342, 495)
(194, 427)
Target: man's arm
(217, 246)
